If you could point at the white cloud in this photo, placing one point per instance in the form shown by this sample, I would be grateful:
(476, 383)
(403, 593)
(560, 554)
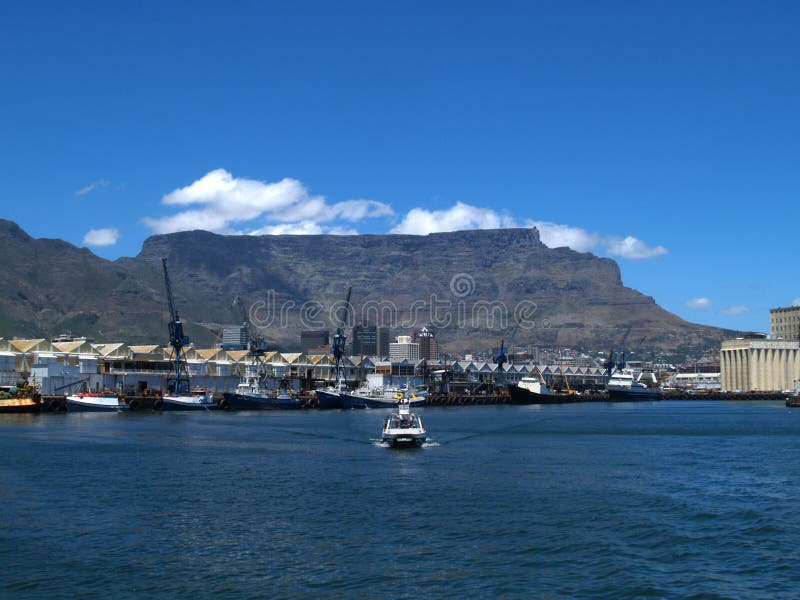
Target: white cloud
(222, 203)
(631, 247)
(698, 303)
(92, 186)
(554, 235)
(796, 302)
(218, 201)
(420, 221)
(101, 237)
(300, 228)
(733, 310)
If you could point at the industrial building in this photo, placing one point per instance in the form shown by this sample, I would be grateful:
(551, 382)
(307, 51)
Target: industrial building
(757, 363)
(784, 323)
(761, 363)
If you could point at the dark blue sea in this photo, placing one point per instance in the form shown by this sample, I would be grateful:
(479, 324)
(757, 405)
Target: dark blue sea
(656, 500)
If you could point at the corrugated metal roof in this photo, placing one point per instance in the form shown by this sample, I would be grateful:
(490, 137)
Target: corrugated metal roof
(26, 345)
(238, 355)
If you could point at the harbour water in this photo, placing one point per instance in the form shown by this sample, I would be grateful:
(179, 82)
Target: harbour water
(666, 500)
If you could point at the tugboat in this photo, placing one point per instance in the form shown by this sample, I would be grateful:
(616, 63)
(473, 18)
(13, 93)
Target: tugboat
(404, 428)
(95, 402)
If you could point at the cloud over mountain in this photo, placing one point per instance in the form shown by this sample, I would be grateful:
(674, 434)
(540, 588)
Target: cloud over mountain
(221, 203)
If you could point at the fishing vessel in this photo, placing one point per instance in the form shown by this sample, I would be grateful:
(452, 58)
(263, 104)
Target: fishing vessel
(331, 396)
(255, 393)
(196, 399)
(384, 397)
(534, 390)
(403, 428)
(95, 402)
(20, 398)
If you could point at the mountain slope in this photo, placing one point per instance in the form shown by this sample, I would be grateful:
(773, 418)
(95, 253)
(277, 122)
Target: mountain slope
(473, 286)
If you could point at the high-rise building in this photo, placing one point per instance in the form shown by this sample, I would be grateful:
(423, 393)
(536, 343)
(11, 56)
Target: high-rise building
(785, 323)
(235, 338)
(404, 349)
(384, 338)
(364, 340)
(428, 346)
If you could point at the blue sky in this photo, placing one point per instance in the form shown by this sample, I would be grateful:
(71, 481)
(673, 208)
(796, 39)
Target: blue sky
(665, 135)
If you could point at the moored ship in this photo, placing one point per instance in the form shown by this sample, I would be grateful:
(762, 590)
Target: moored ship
(534, 390)
(383, 397)
(253, 393)
(623, 386)
(20, 398)
(95, 402)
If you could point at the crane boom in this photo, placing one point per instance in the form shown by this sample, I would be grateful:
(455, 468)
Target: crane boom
(256, 344)
(338, 347)
(178, 382)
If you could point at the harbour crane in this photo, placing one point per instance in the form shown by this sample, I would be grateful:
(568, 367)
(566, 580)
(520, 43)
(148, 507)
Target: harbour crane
(338, 347)
(609, 364)
(502, 355)
(178, 381)
(256, 344)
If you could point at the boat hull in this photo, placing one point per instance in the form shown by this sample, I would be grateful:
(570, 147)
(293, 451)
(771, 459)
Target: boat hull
(616, 395)
(358, 401)
(522, 396)
(404, 440)
(349, 401)
(328, 400)
(235, 401)
(186, 403)
(78, 404)
(19, 405)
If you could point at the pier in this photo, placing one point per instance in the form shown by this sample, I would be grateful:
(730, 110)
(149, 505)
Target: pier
(152, 402)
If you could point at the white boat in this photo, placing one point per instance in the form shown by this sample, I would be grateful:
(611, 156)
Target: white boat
(622, 385)
(383, 397)
(95, 402)
(198, 399)
(403, 428)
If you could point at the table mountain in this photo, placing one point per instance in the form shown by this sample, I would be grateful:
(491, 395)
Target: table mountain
(473, 287)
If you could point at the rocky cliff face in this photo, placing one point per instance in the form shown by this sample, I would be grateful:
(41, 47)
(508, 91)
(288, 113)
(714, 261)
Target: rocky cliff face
(474, 287)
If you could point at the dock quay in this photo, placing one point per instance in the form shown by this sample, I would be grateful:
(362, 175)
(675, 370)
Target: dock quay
(151, 402)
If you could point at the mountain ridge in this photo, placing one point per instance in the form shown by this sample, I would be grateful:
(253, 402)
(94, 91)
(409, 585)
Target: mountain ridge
(482, 277)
